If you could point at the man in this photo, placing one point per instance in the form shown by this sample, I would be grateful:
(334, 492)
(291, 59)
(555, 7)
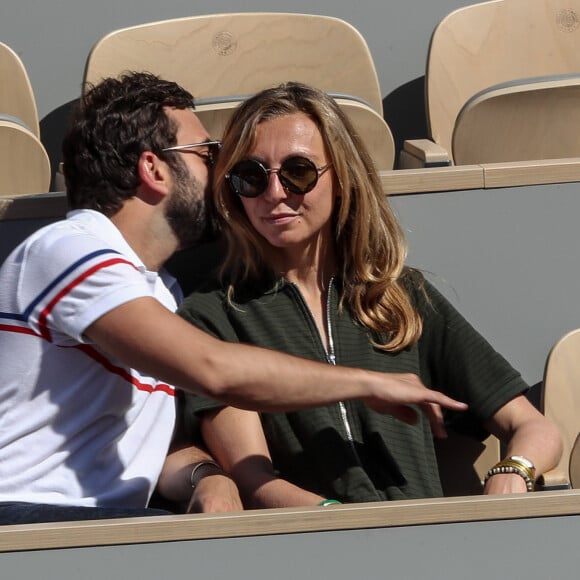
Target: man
(86, 322)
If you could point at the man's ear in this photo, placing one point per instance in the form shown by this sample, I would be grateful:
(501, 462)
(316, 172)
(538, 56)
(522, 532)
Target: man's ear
(154, 173)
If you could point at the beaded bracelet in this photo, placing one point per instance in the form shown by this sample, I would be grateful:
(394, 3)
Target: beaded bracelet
(515, 464)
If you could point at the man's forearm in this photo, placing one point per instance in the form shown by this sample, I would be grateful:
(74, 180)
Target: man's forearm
(144, 335)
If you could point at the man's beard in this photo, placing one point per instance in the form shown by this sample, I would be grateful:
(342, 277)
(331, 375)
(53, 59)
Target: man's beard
(187, 211)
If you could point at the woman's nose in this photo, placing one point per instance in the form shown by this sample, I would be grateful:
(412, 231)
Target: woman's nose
(275, 190)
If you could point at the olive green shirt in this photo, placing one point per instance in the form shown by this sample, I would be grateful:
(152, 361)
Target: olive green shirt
(347, 451)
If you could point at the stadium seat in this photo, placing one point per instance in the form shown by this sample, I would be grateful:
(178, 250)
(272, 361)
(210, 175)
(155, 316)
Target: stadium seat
(16, 95)
(561, 403)
(24, 162)
(478, 47)
(224, 58)
(523, 120)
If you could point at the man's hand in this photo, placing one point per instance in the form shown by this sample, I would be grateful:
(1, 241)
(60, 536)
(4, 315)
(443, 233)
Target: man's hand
(405, 389)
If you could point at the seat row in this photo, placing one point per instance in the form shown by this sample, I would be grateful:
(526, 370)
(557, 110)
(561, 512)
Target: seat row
(501, 78)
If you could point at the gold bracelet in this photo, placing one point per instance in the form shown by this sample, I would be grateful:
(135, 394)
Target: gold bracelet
(518, 465)
(521, 463)
(526, 463)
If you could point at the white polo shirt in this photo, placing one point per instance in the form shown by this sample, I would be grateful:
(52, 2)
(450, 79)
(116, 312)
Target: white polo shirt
(76, 426)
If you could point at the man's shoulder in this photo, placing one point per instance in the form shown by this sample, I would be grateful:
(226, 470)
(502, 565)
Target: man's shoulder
(67, 241)
(45, 246)
(74, 226)
(60, 252)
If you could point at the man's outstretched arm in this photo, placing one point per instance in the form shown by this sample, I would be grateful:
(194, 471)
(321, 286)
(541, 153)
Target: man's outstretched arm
(146, 336)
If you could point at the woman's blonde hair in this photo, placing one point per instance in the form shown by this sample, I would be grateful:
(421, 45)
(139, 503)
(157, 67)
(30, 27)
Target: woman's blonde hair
(370, 244)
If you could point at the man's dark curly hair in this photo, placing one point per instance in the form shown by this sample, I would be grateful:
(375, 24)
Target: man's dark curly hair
(114, 123)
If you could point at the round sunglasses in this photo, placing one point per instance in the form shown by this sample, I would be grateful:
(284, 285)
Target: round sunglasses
(249, 178)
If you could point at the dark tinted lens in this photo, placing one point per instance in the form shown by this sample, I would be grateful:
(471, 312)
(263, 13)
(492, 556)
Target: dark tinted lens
(298, 175)
(248, 178)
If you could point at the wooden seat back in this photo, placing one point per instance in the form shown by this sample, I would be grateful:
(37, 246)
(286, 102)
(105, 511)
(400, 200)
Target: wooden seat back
(16, 95)
(224, 58)
(479, 46)
(561, 403)
(24, 162)
(520, 121)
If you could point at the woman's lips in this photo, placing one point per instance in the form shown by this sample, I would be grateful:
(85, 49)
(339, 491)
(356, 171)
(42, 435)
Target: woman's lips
(280, 219)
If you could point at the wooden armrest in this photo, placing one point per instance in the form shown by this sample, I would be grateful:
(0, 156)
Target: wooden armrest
(423, 153)
(554, 480)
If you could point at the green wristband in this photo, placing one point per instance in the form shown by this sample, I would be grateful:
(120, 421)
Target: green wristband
(327, 502)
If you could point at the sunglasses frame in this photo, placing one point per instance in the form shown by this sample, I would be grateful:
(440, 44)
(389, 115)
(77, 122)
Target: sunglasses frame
(286, 183)
(214, 147)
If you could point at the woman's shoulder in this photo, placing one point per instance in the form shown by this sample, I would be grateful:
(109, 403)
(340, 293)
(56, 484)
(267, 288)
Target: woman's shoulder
(424, 295)
(207, 297)
(215, 293)
(414, 281)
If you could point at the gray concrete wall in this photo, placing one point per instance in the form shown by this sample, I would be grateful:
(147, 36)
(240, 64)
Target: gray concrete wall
(523, 548)
(506, 258)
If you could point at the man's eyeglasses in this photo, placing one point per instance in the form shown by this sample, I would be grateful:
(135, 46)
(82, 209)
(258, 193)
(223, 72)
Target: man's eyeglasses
(249, 178)
(209, 156)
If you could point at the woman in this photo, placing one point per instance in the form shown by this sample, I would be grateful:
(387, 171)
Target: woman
(315, 267)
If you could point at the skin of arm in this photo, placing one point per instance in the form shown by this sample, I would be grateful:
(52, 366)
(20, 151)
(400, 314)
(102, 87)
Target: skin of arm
(237, 439)
(525, 432)
(143, 334)
(214, 492)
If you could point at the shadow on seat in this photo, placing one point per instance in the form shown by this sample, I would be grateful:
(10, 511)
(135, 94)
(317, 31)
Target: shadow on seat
(561, 403)
(464, 461)
(224, 58)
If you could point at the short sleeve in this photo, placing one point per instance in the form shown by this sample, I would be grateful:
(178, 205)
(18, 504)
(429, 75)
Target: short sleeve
(80, 281)
(457, 360)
